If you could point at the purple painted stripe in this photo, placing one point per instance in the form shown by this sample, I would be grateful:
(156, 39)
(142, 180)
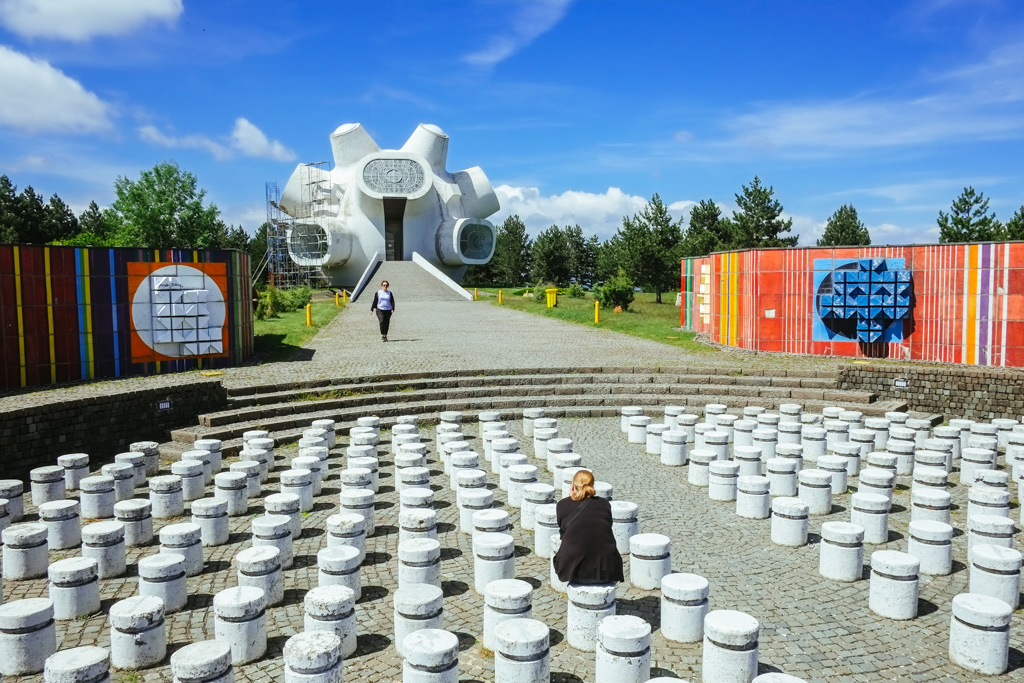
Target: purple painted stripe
(984, 296)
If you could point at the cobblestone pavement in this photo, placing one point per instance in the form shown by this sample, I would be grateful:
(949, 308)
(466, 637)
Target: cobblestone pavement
(810, 627)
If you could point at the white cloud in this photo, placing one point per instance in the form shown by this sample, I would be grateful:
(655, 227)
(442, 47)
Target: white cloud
(80, 20)
(153, 135)
(246, 140)
(599, 214)
(35, 96)
(250, 141)
(532, 19)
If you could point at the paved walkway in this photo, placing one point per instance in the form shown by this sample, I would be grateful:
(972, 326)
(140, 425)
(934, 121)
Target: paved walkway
(450, 335)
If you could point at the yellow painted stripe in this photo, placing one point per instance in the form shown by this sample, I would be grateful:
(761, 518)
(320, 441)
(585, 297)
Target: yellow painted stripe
(723, 298)
(733, 298)
(195, 256)
(87, 290)
(21, 319)
(49, 314)
(972, 304)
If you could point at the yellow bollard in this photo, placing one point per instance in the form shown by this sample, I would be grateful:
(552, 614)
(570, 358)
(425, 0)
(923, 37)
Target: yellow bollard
(597, 312)
(499, 296)
(309, 315)
(337, 299)
(474, 294)
(552, 297)
(344, 296)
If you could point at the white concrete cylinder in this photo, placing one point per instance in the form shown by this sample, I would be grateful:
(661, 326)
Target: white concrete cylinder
(76, 468)
(208, 661)
(842, 551)
(928, 458)
(545, 527)
(752, 498)
(698, 473)
(894, 584)
(931, 543)
(985, 500)
(687, 424)
(722, 476)
(27, 635)
(684, 604)
(123, 475)
(275, 531)
(499, 448)
(623, 650)
(533, 495)
(78, 665)
(96, 498)
(505, 599)
(48, 484)
(253, 472)
(625, 523)
(748, 458)
(211, 514)
(163, 576)
(74, 588)
(673, 448)
(529, 415)
(431, 656)
(347, 529)
(491, 522)
(816, 490)
(419, 561)
(541, 436)
(730, 647)
(104, 542)
(471, 502)
(521, 651)
(288, 505)
(63, 525)
(835, 466)
(332, 609)
(878, 482)
(413, 477)
(781, 477)
(137, 461)
(852, 454)
(637, 431)
(233, 489)
(791, 451)
(260, 567)
(904, 452)
(416, 607)
(422, 499)
(992, 529)
(299, 483)
(138, 633)
(212, 446)
(815, 442)
(766, 439)
(493, 559)
(349, 479)
(508, 460)
(340, 566)
(650, 559)
(928, 504)
(995, 571)
(184, 539)
(416, 523)
(519, 476)
(240, 620)
(588, 605)
(191, 474)
(979, 633)
(166, 497)
(973, 462)
(789, 522)
(871, 511)
(929, 478)
(789, 433)
(865, 438)
(313, 657)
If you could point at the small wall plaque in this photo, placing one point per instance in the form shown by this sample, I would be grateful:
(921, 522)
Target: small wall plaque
(901, 383)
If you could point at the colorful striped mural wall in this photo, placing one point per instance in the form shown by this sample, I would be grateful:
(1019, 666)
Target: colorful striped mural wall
(66, 313)
(966, 304)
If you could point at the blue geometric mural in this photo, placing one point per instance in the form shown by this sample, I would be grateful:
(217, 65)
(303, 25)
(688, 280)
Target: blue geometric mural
(865, 300)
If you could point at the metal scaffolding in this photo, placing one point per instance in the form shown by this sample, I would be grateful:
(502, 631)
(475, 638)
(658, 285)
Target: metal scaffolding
(307, 230)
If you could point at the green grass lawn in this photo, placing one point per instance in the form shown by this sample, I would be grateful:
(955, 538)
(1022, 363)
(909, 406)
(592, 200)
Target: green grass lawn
(278, 338)
(645, 318)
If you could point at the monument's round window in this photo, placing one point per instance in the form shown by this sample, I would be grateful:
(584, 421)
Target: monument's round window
(476, 241)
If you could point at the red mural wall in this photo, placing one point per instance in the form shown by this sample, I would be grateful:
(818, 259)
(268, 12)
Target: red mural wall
(964, 302)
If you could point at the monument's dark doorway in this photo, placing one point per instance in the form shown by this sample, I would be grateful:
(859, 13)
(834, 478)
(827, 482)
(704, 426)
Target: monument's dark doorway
(394, 214)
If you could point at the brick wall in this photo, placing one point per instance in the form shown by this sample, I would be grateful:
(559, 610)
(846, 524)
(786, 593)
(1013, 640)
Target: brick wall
(102, 421)
(951, 391)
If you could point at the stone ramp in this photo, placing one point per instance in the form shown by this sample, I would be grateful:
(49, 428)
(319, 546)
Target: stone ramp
(410, 282)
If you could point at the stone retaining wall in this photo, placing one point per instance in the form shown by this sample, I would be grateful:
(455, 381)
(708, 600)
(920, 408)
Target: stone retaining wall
(950, 391)
(100, 424)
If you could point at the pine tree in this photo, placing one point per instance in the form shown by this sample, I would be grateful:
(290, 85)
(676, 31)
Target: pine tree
(8, 211)
(845, 229)
(550, 251)
(1014, 228)
(513, 253)
(649, 246)
(707, 230)
(968, 220)
(758, 224)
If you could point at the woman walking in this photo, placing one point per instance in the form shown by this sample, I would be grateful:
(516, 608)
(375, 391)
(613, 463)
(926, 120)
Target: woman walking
(383, 305)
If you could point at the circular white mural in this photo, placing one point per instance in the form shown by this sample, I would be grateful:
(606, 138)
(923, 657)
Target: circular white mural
(179, 311)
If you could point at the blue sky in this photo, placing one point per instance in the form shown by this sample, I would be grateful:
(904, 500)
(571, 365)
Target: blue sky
(577, 111)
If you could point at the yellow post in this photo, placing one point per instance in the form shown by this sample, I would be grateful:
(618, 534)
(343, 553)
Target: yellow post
(474, 294)
(337, 299)
(499, 296)
(309, 315)
(344, 296)
(597, 312)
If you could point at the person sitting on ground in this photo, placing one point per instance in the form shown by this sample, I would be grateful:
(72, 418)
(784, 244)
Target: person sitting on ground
(588, 554)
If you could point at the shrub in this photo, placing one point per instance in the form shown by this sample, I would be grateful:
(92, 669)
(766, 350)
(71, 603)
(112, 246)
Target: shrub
(274, 301)
(538, 291)
(576, 291)
(617, 291)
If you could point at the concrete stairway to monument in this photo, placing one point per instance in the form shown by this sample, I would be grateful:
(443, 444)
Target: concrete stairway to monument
(286, 409)
(410, 282)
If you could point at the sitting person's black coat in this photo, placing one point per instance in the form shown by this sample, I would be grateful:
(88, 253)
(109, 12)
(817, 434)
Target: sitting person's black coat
(588, 554)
